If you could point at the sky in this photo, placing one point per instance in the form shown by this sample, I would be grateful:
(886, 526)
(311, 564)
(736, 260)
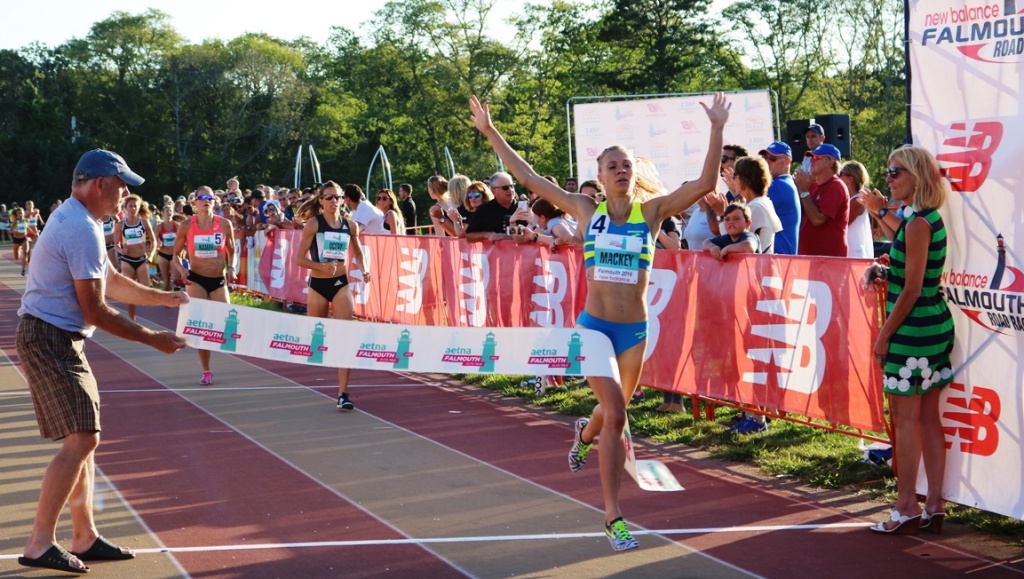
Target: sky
(53, 22)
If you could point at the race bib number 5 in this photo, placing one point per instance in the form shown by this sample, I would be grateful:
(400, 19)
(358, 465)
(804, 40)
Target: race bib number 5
(206, 246)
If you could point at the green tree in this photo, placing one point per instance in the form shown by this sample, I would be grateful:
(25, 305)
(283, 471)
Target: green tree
(658, 46)
(871, 82)
(782, 39)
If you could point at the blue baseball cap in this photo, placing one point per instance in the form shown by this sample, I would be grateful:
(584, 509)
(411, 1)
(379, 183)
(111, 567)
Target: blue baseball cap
(825, 150)
(816, 128)
(777, 148)
(99, 163)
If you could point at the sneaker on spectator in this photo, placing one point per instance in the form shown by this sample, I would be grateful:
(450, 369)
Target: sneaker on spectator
(579, 450)
(619, 536)
(638, 396)
(749, 426)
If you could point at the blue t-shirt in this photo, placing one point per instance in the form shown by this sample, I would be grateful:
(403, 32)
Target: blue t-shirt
(725, 240)
(786, 200)
(70, 249)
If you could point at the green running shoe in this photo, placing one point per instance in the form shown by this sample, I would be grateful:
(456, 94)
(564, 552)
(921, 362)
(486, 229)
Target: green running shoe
(579, 450)
(619, 536)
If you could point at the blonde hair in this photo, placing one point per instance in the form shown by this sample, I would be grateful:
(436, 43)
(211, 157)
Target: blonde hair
(457, 189)
(931, 186)
(648, 182)
(859, 173)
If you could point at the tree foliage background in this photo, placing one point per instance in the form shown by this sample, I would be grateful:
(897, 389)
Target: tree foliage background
(186, 114)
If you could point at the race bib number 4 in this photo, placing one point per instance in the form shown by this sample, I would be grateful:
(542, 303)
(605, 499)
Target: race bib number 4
(617, 258)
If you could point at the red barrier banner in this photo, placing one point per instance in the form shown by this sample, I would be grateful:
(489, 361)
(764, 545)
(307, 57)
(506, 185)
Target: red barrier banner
(787, 333)
(405, 280)
(782, 332)
(502, 285)
(279, 268)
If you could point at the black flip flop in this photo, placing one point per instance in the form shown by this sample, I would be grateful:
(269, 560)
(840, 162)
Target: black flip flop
(56, 558)
(104, 550)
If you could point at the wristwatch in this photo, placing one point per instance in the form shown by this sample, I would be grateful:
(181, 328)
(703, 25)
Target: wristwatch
(882, 212)
(805, 194)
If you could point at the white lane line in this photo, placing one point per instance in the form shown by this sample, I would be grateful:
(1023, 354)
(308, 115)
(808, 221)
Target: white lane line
(109, 487)
(483, 539)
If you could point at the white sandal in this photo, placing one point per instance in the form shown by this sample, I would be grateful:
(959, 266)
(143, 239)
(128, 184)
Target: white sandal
(906, 526)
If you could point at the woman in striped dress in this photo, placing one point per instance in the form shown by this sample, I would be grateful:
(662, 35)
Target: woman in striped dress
(917, 339)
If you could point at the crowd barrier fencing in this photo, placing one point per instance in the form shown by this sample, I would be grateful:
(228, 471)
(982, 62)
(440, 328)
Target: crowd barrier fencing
(785, 336)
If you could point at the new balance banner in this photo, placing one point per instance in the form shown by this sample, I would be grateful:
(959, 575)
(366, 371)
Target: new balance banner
(967, 60)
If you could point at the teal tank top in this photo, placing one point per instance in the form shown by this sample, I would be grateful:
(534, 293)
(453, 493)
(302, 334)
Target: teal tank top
(618, 252)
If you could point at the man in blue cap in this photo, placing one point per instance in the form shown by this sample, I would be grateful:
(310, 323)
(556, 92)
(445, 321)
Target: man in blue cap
(784, 196)
(814, 137)
(825, 203)
(64, 302)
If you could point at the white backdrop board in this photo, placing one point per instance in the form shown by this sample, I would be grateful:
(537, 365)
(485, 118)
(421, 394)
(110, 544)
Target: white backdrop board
(967, 60)
(671, 131)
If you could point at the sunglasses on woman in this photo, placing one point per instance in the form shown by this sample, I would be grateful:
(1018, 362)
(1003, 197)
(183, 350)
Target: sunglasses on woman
(474, 195)
(383, 198)
(330, 197)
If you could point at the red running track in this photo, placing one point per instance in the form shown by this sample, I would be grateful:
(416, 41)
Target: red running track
(195, 480)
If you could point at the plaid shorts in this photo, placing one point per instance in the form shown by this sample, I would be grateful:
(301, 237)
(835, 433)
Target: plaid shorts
(64, 391)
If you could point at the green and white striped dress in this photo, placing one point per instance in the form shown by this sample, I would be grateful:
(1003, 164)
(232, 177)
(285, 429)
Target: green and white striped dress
(919, 351)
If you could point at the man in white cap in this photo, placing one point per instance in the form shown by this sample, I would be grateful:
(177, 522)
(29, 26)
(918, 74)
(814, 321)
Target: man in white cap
(64, 302)
(825, 203)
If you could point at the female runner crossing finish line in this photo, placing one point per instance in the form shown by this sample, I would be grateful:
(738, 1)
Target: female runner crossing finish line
(616, 288)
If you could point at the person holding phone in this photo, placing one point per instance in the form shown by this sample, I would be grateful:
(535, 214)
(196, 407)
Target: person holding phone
(491, 222)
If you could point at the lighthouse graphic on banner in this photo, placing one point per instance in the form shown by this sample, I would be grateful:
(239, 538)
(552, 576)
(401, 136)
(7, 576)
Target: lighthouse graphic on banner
(402, 353)
(487, 357)
(316, 344)
(230, 332)
(574, 357)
